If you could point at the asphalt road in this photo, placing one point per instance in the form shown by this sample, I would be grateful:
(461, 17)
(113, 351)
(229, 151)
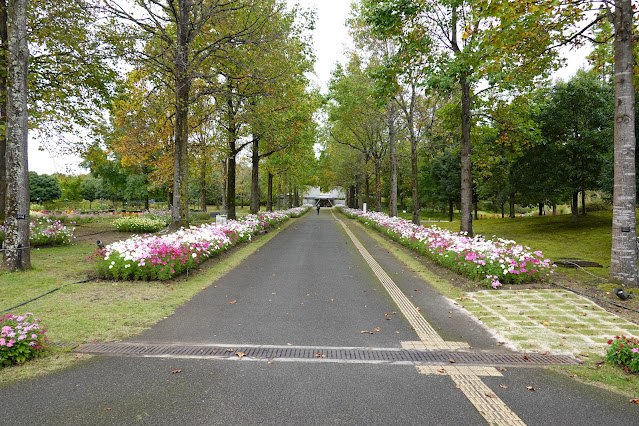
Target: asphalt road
(308, 286)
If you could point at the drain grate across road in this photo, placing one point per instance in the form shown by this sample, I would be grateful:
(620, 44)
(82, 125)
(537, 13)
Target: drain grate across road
(326, 354)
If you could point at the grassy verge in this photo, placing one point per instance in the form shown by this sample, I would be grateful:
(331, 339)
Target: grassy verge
(556, 236)
(99, 310)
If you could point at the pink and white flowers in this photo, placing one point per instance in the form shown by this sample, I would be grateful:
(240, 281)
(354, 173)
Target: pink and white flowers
(21, 338)
(492, 262)
(165, 256)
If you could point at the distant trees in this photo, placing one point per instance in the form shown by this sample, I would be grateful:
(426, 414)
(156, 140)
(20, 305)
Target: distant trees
(43, 188)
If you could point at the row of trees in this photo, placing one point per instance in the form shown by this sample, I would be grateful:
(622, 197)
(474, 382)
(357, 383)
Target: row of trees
(463, 82)
(165, 92)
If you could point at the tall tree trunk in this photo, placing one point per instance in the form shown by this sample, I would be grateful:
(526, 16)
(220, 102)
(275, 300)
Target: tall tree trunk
(541, 209)
(583, 203)
(393, 161)
(269, 197)
(511, 205)
(230, 186)
(414, 171)
(3, 108)
(623, 256)
(466, 175)
(378, 185)
(358, 190)
(225, 172)
(17, 254)
(179, 209)
(279, 194)
(255, 177)
(231, 141)
(450, 209)
(367, 191)
(574, 207)
(203, 186)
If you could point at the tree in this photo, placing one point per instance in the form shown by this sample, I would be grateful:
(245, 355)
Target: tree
(358, 121)
(623, 257)
(183, 38)
(17, 255)
(578, 120)
(43, 188)
(91, 189)
(459, 43)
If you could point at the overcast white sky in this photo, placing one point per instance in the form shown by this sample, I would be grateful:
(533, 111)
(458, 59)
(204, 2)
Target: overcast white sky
(331, 40)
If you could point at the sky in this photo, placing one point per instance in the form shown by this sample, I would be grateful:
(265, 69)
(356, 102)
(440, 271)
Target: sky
(331, 42)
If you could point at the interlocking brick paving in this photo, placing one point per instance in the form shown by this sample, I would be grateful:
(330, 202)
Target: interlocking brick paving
(547, 320)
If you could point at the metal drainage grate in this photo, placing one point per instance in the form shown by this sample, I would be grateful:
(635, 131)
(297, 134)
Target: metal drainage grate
(326, 354)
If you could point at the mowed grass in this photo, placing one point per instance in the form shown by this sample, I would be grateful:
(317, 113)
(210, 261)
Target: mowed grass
(99, 310)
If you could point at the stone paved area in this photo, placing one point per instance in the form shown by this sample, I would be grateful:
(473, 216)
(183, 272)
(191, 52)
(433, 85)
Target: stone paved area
(547, 320)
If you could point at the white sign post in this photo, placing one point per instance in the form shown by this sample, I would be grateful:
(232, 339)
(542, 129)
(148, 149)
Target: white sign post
(364, 207)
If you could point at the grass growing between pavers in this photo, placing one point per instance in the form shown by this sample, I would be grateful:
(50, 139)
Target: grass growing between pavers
(99, 310)
(568, 331)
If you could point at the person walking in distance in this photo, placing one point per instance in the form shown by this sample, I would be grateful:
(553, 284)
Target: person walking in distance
(318, 208)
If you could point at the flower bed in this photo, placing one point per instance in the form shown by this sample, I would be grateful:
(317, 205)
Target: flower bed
(44, 231)
(163, 257)
(624, 352)
(138, 224)
(492, 262)
(21, 338)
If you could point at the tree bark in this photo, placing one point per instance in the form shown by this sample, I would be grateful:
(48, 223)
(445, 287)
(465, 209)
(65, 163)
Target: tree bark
(574, 207)
(3, 108)
(378, 185)
(203, 186)
(224, 174)
(583, 203)
(269, 197)
(17, 255)
(393, 161)
(466, 175)
(179, 209)
(623, 256)
(255, 177)
(450, 209)
(231, 141)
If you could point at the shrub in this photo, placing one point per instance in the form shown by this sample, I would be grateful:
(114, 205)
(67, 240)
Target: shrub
(624, 352)
(21, 338)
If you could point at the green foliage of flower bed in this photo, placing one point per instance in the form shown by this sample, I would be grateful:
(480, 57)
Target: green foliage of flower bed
(624, 352)
(21, 338)
(138, 224)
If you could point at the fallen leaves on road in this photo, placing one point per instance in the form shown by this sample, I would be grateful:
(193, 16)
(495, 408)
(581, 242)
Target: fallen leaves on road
(634, 401)
(377, 329)
(232, 302)
(501, 343)
(503, 386)
(584, 354)
(240, 354)
(546, 323)
(318, 355)
(452, 361)
(175, 371)
(366, 332)
(530, 388)
(501, 369)
(491, 395)
(441, 370)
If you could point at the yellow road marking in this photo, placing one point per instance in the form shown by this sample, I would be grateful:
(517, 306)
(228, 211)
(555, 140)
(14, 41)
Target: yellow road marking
(489, 405)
